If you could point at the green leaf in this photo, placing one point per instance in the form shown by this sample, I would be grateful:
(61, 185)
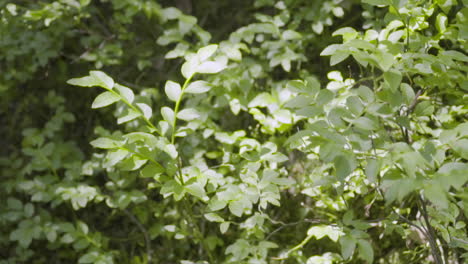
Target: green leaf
(348, 33)
(198, 87)
(206, 52)
(436, 194)
(334, 233)
(103, 79)
(385, 60)
(14, 204)
(338, 57)
(105, 143)
(408, 93)
(132, 163)
(365, 123)
(355, 105)
(213, 217)
(168, 115)
(393, 79)
(441, 23)
(152, 170)
(173, 90)
(105, 99)
(28, 210)
(344, 165)
(461, 148)
(372, 170)
(210, 67)
(330, 50)
(90, 257)
(348, 245)
(114, 157)
(365, 250)
(378, 2)
(188, 114)
(196, 189)
(171, 150)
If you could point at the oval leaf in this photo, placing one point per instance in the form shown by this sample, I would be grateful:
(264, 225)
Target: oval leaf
(173, 90)
(105, 99)
(198, 87)
(103, 79)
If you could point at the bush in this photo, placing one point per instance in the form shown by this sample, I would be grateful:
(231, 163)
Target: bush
(328, 131)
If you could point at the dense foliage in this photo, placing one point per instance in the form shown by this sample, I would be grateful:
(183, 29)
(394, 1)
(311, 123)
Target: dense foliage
(253, 131)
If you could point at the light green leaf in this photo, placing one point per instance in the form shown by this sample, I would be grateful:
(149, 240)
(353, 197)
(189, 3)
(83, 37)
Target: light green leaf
(348, 33)
(186, 23)
(171, 150)
(146, 109)
(168, 115)
(129, 115)
(291, 34)
(338, 57)
(125, 92)
(198, 87)
(334, 233)
(189, 68)
(213, 217)
(114, 157)
(105, 99)
(236, 208)
(104, 80)
(105, 143)
(86, 81)
(188, 114)
(90, 257)
(210, 67)
(224, 227)
(235, 106)
(441, 23)
(196, 189)
(206, 52)
(173, 90)
(330, 50)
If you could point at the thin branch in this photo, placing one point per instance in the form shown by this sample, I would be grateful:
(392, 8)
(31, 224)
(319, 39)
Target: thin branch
(431, 235)
(143, 230)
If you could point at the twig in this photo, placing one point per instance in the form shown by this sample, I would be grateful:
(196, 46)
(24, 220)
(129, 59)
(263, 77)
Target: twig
(145, 234)
(430, 234)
